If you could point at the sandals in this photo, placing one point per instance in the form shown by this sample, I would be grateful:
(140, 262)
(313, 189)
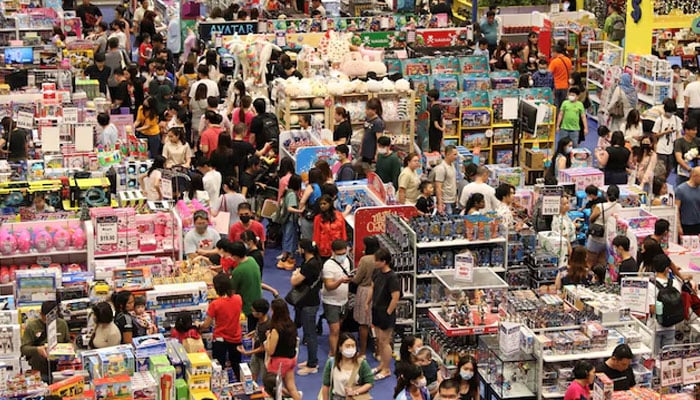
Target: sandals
(380, 376)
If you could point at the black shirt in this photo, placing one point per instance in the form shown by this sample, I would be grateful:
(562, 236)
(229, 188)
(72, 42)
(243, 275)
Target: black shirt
(591, 203)
(295, 74)
(261, 335)
(618, 157)
(311, 270)
(256, 128)
(683, 146)
(622, 380)
(88, 15)
(441, 8)
(102, 76)
(343, 131)
(121, 92)
(125, 323)
(257, 255)
(222, 160)
(137, 83)
(241, 151)
(17, 146)
(426, 205)
(248, 181)
(627, 267)
(385, 283)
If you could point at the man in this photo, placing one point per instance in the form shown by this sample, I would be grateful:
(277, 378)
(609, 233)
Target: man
(346, 172)
(158, 43)
(504, 194)
(99, 37)
(436, 127)
(688, 205)
(211, 180)
(160, 78)
(163, 55)
(213, 105)
(663, 335)
(560, 66)
(441, 8)
(446, 181)
(201, 241)
(489, 28)
(681, 147)
(34, 339)
(480, 186)
(692, 100)
(139, 13)
(614, 15)
(448, 390)
(388, 163)
(99, 71)
(628, 266)
(336, 275)
(386, 290)
(317, 6)
(662, 229)
(203, 75)
(246, 223)
(618, 368)
(246, 280)
(571, 115)
(209, 138)
(592, 197)
(114, 59)
(89, 14)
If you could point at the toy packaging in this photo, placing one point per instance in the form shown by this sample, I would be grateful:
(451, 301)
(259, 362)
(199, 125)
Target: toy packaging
(144, 386)
(582, 177)
(474, 64)
(476, 98)
(115, 387)
(441, 65)
(581, 158)
(476, 81)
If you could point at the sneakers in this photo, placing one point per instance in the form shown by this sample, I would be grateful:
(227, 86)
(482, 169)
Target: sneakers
(307, 371)
(287, 264)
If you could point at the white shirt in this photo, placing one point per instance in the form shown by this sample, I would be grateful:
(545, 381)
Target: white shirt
(321, 9)
(151, 185)
(212, 185)
(212, 88)
(632, 133)
(564, 224)
(194, 241)
(505, 212)
(109, 135)
(121, 36)
(664, 144)
(483, 188)
(333, 271)
(692, 92)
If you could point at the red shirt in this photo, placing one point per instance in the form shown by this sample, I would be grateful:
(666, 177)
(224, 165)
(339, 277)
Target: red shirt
(234, 233)
(192, 333)
(235, 119)
(228, 263)
(226, 312)
(210, 138)
(326, 232)
(577, 392)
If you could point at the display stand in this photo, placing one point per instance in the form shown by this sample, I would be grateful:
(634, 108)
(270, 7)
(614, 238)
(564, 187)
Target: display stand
(306, 147)
(652, 77)
(289, 109)
(577, 33)
(605, 62)
(495, 366)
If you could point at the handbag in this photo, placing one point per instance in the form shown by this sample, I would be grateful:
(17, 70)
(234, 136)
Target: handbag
(353, 378)
(617, 110)
(298, 293)
(598, 230)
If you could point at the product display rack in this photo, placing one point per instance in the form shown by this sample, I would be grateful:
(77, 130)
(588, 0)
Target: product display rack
(652, 77)
(285, 112)
(473, 124)
(577, 34)
(494, 366)
(602, 57)
(406, 309)
(400, 125)
(531, 150)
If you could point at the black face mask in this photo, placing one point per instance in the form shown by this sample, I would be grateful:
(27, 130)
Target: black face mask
(245, 218)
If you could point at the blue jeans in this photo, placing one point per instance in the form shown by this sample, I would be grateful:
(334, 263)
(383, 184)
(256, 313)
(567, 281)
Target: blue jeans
(664, 338)
(564, 133)
(308, 324)
(290, 236)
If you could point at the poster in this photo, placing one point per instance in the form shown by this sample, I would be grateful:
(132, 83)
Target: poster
(372, 220)
(633, 292)
(671, 368)
(209, 29)
(124, 123)
(691, 369)
(441, 37)
(306, 157)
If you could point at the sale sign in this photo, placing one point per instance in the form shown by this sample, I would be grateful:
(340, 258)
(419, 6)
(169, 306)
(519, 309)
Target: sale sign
(372, 221)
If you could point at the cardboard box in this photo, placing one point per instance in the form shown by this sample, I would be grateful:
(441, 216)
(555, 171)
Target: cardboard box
(602, 387)
(165, 381)
(509, 337)
(582, 177)
(183, 392)
(534, 158)
(113, 387)
(144, 386)
(247, 379)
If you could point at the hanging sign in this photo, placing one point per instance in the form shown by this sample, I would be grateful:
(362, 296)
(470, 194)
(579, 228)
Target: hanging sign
(208, 29)
(106, 230)
(25, 120)
(633, 292)
(51, 329)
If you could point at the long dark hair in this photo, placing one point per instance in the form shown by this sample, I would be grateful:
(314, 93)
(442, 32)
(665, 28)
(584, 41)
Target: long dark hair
(286, 167)
(148, 109)
(561, 146)
(210, 58)
(406, 373)
(183, 323)
(158, 163)
(343, 113)
(577, 271)
(307, 246)
(315, 176)
(639, 152)
(474, 199)
(282, 323)
(249, 236)
(120, 299)
(407, 342)
(338, 352)
(329, 214)
(325, 169)
(633, 118)
(474, 381)
(200, 93)
(376, 105)
(652, 248)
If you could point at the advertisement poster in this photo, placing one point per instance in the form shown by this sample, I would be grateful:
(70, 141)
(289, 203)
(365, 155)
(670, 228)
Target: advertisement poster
(671, 368)
(441, 37)
(307, 157)
(372, 220)
(633, 292)
(691, 369)
(123, 122)
(209, 29)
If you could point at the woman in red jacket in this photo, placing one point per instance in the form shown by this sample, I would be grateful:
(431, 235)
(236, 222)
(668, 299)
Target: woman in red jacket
(329, 225)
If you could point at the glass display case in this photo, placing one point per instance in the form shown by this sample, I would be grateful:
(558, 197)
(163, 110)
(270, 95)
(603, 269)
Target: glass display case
(505, 376)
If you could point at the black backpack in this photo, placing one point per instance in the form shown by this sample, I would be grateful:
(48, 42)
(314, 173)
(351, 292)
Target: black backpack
(271, 127)
(618, 29)
(673, 310)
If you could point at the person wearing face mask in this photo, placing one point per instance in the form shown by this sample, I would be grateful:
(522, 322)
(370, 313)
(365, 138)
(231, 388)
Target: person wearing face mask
(561, 67)
(246, 223)
(667, 129)
(466, 375)
(346, 374)
(336, 276)
(388, 163)
(571, 115)
(329, 225)
(411, 384)
(410, 346)
(531, 51)
(252, 245)
(562, 157)
(645, 159)
(615, 160)
(542, 77)
(201, 241)
(159, 79)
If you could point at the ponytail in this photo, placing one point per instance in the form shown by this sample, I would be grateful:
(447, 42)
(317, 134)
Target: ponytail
(309, 246)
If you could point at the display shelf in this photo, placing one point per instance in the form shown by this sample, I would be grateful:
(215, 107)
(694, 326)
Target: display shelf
(457, 243)
(285, 112)
(484, 278)
(591, 355)
(516, 368)
(490, 327)
(604, 58)
(135, 253)
(46, 254)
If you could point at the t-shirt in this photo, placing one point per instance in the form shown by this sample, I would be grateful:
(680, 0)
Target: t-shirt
(226, 313)
(369, 139)
(176, 154)
(448, 176)
(151, 183)
(221, 160)
(618, 158)
(571, 118)
(212, 185)
(683, 146)
(690, 203)
(101, 76)
(425, 205)
(622, 380)
(210, 138)
(560, 68)
(17, 145)
(385, 283)
(490, 31)
(261, 334)
(257, 255)
(229, 203)
(248, 182)
(241, 150)
(332, 270)
(692, 92)
(247, 282)
(247, 119)
(576, 391)
(212, 88)
(88, 14)
(409, 181)
(342, 131)
(664, 144)
(234, 233)
(121, 92)
(628, 267)
(194, 241)
(388, 168)
(435, 116)
(483, 188)
(109, 136)
(124, 322)
(346, 173)
(311, 270)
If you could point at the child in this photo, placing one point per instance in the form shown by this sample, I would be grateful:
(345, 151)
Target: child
(144, 324)
(424, 359)
(186, 333)
(257, 354)
(145, 50)
(604, 135)
(571, 114)
(483, 49)
(109, 136)
(542, 77)
(425, 203)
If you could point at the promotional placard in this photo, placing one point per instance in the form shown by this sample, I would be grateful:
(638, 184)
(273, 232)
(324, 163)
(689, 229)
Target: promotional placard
(372, 221)
(633, 292)
(209, 29)
(106, 230)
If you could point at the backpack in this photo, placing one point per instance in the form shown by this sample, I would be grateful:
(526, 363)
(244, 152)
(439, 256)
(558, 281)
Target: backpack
(342, 170)
(271, 127)
(281, 215)
(618, 29)
(669, 298)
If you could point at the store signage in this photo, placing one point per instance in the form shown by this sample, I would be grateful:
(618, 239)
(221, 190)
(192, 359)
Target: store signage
(378, 39)
(375, 184)
(70, 115)
(695, 25)
(372, 221)
(52, 329)
(166, 185)
(633, 293)
(25, 120)
(106, 230)
(209, 29)
(551, 200)
(440, 37)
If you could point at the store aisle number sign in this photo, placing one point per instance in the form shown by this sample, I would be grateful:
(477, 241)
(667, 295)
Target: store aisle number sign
(106, 230)
(25, 120)
(551, 200)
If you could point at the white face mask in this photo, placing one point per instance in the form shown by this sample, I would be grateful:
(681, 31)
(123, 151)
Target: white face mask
(381, 150)
(571, 81)
(572, 98)
(161, 78)
(349, 352)
(531, 82)
(421, 382)
(466, 375)
(340, 258)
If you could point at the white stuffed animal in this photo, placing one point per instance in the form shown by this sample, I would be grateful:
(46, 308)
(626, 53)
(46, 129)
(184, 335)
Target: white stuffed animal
(402, 85)
(387, 85)
(374, 86)
(353, 65)
(336, 88)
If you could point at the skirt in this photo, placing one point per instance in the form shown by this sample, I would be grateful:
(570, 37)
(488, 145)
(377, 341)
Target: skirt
(361, 313)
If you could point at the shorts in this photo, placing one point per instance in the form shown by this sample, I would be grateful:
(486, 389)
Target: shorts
(257, 365)
(332, 313)
(382, 320)
(281, 364)
(596, 245)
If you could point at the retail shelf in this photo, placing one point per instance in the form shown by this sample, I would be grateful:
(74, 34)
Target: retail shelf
(503, 125)
(594, 97)
(404, 321)
(433, 305)
(463, 330)
(649, 81)
(552, 395)
(595, 65)
(425, 276)
(518, 390)
(457, 242)
(645, 98)
(484, 278)
(590, 355)
(134, 253)
(306, 111)
(48, 254)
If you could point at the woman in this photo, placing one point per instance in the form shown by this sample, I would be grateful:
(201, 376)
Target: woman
(475, 204)
(280, 346)
(584, 375)
(235, 95)
(216, 15)
(147, 25)
(633, 128)
(244, 114)
(252, 244)
(531, 51)
(326, 172)
(118, 31)
(222, 158)
(348, 374)
(308, 275)
(667, 128)
(502, 59)
(230, 200)
(285, 171)
(120, 15)
(150, 181)
(409, 180)
(615, 160)
(627, 95)
(563, 225)
(188, 76)
(466, 375)
(362, 312)
(649, 249)
(136, 82)
(176, 151)
(290, 233)
(211, 60)
(645, 160)
(162, 99)
(562, 157)
(225, 314)
(659, 189)
(408, 351)
(146, 126)
(602, 214)
(123, 306)
(198, 106)
(411, 384)
(59, 38)
(577, 271)
(374, 127)
(343, 126)
(106, 333)
(329, 225)
(308, 203)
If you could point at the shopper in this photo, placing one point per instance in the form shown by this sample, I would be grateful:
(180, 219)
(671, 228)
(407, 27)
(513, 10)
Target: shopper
(502, 60)
(449, 390)
(212, 87)
(411, 384)
(362, 312)
(244, 114)
(106, 333)
(504, 195)
(176, 150)
(222, 158)
(309, 203)
(409, 180)
(343, 126)
(664, 335)
(247, 222)
(374, 127)
(99, 71)
(143, 323)
(99, 37)
(563, 225)
(688, 204)
(436, 127)
(628, 266)
(211, 179)
(290, 227)
(576, 272)
(209, 138)
(446, 182)
(386, 290)
(490, 30)
(584, 375)
(198, 107)
(259, 335)
(119, 32)
(123, 306)
(89, 14)
(151, 180)
(572, 115)
(336, 276)
(660, 195)
(408, 352)
(329, 225)
(326, 173)
(388, 163)
(619, 368)
(120, 92)
(213, 105)
(480, 185)
(686, 150)
(691, 95)
(606, 212)
(633, 128)
(467, 378)
(542, 77)
(645, 159)
(254, 248)
(146, 126)
(246, 279)
(184, 329)
(258, 132)
(230, 201)
(625, 95)
(109, 134)
(562, 157)
(615, 160)
(347, 373)
(667, 129)
(201, 240)
(308, 275)
(561, 67)
(281, 346)
(425, 203)
(39, 204)
(346, 172)
(250, 178)
(34, 340)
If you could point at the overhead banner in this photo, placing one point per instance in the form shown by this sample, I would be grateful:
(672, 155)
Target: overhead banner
(208, 29)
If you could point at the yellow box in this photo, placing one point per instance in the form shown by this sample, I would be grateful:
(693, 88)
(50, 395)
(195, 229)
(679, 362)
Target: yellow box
(201, 395)
(198, 383)
(200, 364)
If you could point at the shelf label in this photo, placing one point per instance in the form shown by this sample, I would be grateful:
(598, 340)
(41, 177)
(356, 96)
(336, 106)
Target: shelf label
(70, 115)
(106, 230)
(551, 200)
(25, 120)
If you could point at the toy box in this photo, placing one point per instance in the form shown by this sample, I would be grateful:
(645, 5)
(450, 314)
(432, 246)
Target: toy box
(118, 363)
(414, 66)
(152, 344)
(68, 387)
(602, 387)
(537, 95)
(474, 98)
(479, 81)
(202, 395)
(143, 386)
(502, 136)
(535, 158)
(114, 387)
(247, 379)
(505, 80)
(199, 382)
(183, 392)
(509, 337)
(184, 294)
(35, 286)
(199, 364)
(581, 158)
(165, 381)
(10, 340)
(476, 118)
(62, 352)
(472, 64)
(440, 65)
(582, 177)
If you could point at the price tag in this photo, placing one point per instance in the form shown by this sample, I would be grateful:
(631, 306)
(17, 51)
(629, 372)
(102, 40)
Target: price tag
(70, 115)
(106, 230)
(166, 186)
(281, 39)
(551, 205)
(25, 120)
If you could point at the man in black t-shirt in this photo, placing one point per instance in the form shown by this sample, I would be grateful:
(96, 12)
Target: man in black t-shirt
(436, 129)
(99, 71)
(441, 8)
(241, 148)
(593, 197)
(89, 14)
(628, 266)
(385, 298)
(618, 368)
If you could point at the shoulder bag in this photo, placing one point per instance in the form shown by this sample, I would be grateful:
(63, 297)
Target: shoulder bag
(598, 230)
(298, 293)
(352, 286)
(353, 378)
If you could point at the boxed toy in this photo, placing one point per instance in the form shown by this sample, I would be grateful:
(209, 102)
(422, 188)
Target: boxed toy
(199, 364)
(68, 387)
(445, 64)
(602, 387)
(202, 395)
(508, 337)
(581, 158)
(62, 352)
(474, 64)
(114, 387)
(247, 379)
(10, 340)
(477, 81)
(474, 98)
(152, 344)
(144, 386)
(199, 382)
(582, 177)
(183, 294)
(165, 381)
(183, 392)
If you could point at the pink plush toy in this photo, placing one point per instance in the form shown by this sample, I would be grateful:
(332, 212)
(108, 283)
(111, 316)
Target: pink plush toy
(42, 241)
(24, 241)
(4, 274)
(8, 243)
(61, 239)
(78, 239)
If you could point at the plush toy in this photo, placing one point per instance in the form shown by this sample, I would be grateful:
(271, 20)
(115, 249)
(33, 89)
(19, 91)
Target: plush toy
(374, 86)
(8, 243)
(42, 241)
(378, 67)
(294, 105)
(318, 102)
(336, 88)
(360, 86)
(387, 85)
(78, 239)
(318, 88)
(372, 54)
(353, 65)
(61, 239)
(294, 119)
(24, 241)
(402, 85)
